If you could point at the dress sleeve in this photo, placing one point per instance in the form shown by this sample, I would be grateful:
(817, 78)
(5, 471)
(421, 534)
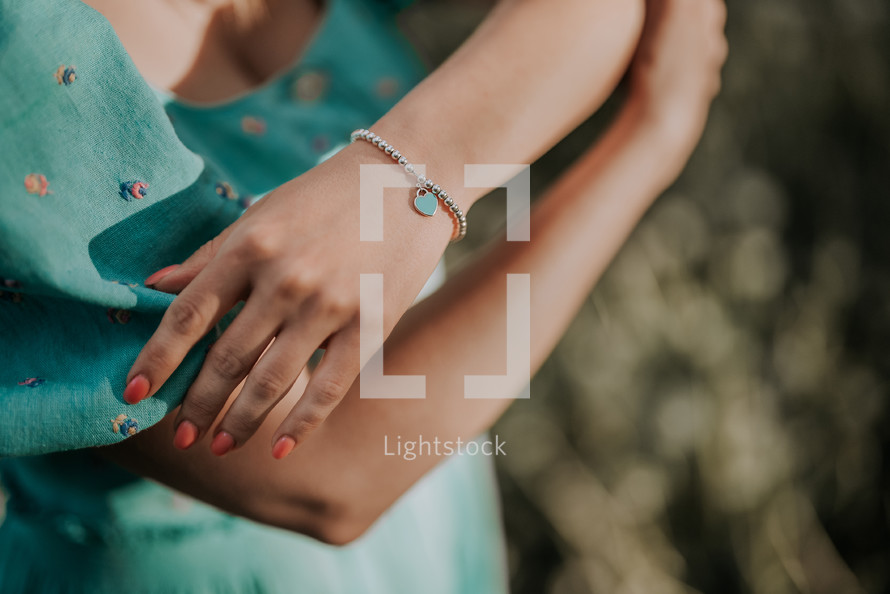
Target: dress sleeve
(96, 193)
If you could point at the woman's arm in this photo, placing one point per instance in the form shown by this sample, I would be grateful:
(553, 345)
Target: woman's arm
(340, 481)
(532, 72)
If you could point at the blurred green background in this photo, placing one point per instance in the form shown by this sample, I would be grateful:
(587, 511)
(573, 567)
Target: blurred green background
(716, 419)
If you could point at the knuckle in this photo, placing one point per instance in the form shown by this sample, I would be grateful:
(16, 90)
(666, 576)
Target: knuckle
(329, 391)
(308, 421)
(227, 363)
(186, 317)
(292, 286)
(209, 248)
(298, 283)
(214, 245)
(256, 246)
(723, 51)
(269, 386)
(337, 304)
(156, 357)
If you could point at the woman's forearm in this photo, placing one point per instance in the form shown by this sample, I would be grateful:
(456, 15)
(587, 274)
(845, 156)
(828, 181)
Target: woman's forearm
(530, 73)
(339, 481)
(576, 229)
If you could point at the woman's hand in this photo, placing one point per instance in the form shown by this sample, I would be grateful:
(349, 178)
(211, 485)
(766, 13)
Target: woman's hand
(295, 258)
(675, 73)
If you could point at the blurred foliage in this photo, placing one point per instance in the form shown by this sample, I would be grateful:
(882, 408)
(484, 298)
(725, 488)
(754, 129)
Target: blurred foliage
(716, 418)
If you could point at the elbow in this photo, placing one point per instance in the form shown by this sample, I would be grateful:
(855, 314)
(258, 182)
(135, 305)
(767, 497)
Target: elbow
(341, 533)
(332, 522)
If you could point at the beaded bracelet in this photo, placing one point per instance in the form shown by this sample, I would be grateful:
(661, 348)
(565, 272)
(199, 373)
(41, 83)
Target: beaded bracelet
(425, 187)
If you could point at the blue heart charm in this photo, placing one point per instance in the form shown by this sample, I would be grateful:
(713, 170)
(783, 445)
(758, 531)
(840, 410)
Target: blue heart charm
(426, 203)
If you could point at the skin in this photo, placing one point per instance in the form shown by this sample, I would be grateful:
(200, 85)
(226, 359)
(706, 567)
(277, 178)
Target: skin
(339, 482)
(295, 257)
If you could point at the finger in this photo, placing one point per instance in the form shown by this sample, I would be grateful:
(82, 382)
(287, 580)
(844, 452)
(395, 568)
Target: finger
(191, 315)
(267, 383)
(328, 385)
(227, 363)
(173, 279)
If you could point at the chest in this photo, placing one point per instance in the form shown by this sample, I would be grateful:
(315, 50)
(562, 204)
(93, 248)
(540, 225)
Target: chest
(205, 51)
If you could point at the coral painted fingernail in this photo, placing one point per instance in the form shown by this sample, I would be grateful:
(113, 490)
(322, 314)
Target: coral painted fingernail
(186, 435)
(137, 389)
(283, 447)
(157, 276)
(222, 444)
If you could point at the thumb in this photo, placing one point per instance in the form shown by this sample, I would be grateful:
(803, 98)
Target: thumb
(175, 278)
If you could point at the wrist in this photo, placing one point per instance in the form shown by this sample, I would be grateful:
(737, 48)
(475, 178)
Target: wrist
(402, 203)
(429, 193)
(670, 134)
(646, 149)
(443, 153)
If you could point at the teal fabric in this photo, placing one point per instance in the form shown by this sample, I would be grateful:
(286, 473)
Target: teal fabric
(104, 180)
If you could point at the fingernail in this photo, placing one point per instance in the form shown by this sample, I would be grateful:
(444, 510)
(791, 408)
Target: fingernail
(283, 447)
(157, 276)
(137, 389)
(222, 444)
(186, 435)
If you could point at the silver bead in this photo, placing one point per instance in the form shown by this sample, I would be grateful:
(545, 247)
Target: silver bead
(374, 139)
(428, 184)
(409, 168)
(389, 150)
(396, 155)
(459, 213)
(382, 146)
(402, 160)
(436, 189)
(454, 207)
(448, 201)
(443, 195)
(421, 179)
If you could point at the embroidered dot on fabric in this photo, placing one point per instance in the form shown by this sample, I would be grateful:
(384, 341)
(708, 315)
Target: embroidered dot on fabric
(35, 183)
(11, 297)
(225, 190)
(387, 87)
(253, 125)
(320, 143)
(124, 425)
(119, 316)
(133, 189)
(245, 201)
(131, 285)
(32, 382)
(309, 86)
(65, 75)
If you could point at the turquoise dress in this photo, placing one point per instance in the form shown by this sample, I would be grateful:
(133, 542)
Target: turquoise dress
(103, 181)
